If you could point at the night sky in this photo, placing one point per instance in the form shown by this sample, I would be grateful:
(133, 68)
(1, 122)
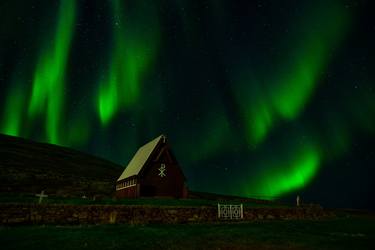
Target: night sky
(262, 99)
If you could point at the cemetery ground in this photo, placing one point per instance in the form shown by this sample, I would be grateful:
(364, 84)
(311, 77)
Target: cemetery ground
(343, 232)
(34, 198)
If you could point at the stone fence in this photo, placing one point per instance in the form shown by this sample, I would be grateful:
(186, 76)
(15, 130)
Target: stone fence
(13, 214)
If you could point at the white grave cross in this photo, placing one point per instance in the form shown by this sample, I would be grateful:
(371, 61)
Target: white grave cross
(41, 196)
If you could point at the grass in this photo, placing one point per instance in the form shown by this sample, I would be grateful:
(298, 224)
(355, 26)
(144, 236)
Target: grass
(17, 198)
(342, 233)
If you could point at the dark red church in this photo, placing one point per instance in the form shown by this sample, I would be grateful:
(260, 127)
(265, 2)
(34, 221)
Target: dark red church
(153, 172)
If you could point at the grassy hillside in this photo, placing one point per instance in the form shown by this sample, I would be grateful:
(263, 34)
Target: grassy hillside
(340, 233)
(29, 167)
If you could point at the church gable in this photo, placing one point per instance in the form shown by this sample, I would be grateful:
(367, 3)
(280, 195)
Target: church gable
(160, 159)
(158, 175)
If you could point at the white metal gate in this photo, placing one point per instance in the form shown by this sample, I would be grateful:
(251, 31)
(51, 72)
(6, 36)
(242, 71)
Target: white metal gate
(230, 211)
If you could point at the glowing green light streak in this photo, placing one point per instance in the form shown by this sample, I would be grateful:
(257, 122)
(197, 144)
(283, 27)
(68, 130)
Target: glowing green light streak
(108, 100)
(296, 85)
(12, 117)
(48, 86)
(286, 95)
(261, 122)
(283, 174)
(134, 50)
(282, 177)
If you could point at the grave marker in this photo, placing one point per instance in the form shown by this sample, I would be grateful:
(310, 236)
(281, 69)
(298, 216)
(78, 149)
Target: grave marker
(41, 196)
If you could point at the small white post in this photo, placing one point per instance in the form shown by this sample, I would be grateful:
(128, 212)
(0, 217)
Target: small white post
(218, 210)
(241, 211)
(298, 200)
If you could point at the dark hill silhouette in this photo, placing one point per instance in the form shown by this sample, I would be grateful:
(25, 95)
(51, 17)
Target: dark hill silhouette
(29, 167)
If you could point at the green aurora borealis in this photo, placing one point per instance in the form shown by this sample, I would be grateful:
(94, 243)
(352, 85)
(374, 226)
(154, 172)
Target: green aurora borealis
(49, 81)
(132, 53)
(257, 99)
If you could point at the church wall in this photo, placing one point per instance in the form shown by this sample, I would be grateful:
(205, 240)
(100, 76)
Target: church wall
(130, 192)
(171, 184)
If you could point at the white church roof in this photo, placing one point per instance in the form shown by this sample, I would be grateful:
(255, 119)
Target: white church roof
(140, 158)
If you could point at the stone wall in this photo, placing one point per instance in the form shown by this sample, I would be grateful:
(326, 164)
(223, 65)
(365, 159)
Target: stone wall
(11, 214)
